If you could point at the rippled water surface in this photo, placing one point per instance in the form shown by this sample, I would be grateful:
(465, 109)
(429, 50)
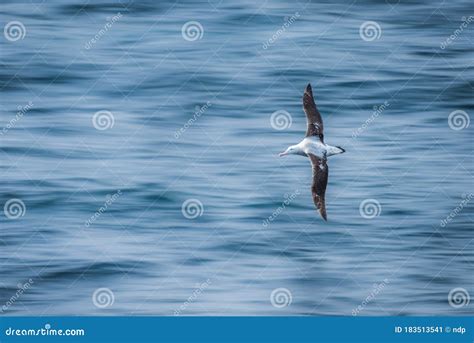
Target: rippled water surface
(188, 121)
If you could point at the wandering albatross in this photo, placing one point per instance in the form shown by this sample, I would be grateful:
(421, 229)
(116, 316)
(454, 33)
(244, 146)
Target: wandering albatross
(313, 146)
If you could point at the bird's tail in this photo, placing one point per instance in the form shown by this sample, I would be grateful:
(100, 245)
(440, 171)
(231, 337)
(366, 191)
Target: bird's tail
(334, 150)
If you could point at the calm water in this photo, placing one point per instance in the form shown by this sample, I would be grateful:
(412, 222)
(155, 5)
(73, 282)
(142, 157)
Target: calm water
(192, 120)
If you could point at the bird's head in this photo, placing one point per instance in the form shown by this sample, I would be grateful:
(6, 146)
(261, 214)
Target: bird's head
(292, 150)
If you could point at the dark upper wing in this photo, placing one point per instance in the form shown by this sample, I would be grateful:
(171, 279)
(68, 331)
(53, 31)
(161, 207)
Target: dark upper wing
(320, 181)
(315, 123)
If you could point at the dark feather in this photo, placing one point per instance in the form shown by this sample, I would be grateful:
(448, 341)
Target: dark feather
(320, 181)
(313, 117)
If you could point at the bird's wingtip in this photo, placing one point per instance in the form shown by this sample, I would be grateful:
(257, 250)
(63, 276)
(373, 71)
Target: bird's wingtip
(308, 90)
(323, 214)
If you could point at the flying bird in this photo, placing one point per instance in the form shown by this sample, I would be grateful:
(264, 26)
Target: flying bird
(313, 146)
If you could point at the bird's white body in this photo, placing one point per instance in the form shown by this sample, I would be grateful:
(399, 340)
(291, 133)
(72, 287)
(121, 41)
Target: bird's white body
(313, 145)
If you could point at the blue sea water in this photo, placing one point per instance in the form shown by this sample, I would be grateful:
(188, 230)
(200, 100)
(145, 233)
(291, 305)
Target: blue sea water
(114, 117)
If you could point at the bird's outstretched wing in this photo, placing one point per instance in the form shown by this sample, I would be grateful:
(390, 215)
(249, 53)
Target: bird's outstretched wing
(320, 181)
(313, 117)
